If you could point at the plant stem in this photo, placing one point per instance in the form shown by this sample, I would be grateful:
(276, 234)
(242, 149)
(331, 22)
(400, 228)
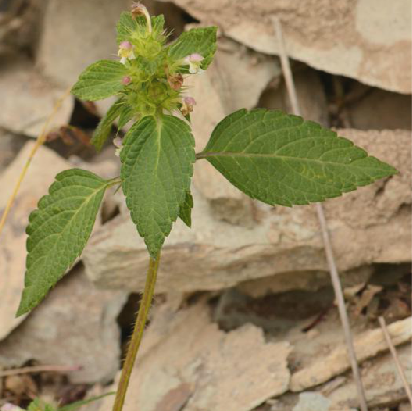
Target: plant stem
(137, 333)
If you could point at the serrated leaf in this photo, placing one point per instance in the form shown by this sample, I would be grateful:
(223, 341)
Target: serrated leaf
(185, 210)
(200, 40)
(58, 231)
(100, 80)
(102, 131)
(281, 159)
(127, 26)
(157, 165)
(126, 114)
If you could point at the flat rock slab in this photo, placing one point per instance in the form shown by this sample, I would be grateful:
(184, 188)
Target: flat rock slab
(352, 38)
(369, 225)
(74, 326)
(28, 99)
(186, 361)
(76, 34)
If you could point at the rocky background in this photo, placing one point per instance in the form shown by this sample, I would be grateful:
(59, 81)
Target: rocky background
(244, 317)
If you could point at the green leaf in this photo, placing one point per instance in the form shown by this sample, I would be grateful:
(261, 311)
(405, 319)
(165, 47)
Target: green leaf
(102, 131)
(126, 114)
(282, 159)
(128, 27)
(185, 210)
(58, 231)
(157, 157)
(201, 41)
(100, 80)
(74, 406)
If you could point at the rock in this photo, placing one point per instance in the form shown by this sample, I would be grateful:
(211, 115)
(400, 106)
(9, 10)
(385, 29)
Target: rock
(382, 383)
(63, 53)
(184, 355)
(353, 38)
(28, 99)
(275, 314)
(310, 93)
(312, 401)
(367, 345)
(302, 280)
(10, 145)
(235, 80)
(74, 326)
(13, 251)
(381, 110)
(369, 225)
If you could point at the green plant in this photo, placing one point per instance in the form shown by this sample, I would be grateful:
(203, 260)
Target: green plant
(271, 156)
(38, 405)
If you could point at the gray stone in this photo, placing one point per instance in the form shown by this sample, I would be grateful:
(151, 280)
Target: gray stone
(352, 37)
(74, 326)
(28, 99)
(312, 401)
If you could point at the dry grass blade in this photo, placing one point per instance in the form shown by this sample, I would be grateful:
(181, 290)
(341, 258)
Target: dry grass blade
(287, 73)
(38, 369)
(39, 142)
(399, 367)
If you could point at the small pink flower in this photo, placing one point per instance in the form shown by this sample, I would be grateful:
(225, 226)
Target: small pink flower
(194, 61)
(126, 80)
(187, 105)
(126, 51)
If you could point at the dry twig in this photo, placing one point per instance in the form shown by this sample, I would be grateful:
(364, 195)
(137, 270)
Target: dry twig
(39, 368)
(287, 73)
(399, 367)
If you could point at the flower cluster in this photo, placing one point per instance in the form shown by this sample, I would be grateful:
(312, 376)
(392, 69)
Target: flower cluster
(154, 80)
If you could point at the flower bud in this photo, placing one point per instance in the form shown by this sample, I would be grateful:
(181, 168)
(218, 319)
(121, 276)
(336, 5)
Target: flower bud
(194, 61)
(175, 81)
(126, 80)
(187, 105)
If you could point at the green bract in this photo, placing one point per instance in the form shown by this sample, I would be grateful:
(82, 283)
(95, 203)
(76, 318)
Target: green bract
(271, 156)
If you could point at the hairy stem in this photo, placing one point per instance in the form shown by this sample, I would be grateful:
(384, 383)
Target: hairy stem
(137, 333)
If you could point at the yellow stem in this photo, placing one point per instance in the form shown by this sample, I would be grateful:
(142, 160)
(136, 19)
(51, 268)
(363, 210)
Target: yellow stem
(137, 334)
(40, 141)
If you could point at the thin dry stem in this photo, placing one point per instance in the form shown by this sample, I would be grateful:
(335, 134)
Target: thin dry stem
(395, 356)
(39, 142)
(287, 73)
(40, 368)
(137, 334)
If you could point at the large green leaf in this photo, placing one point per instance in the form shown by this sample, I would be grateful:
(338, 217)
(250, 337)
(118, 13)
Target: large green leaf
(282, 159)
(102, 131)
(58, 231)
(195, 41)
(100, 80)
(157, 157)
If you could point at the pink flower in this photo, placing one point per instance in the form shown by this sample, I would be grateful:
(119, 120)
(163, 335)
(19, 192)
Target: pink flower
(194, 61)
(126, 80)
(187, 105)
(126, 51)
